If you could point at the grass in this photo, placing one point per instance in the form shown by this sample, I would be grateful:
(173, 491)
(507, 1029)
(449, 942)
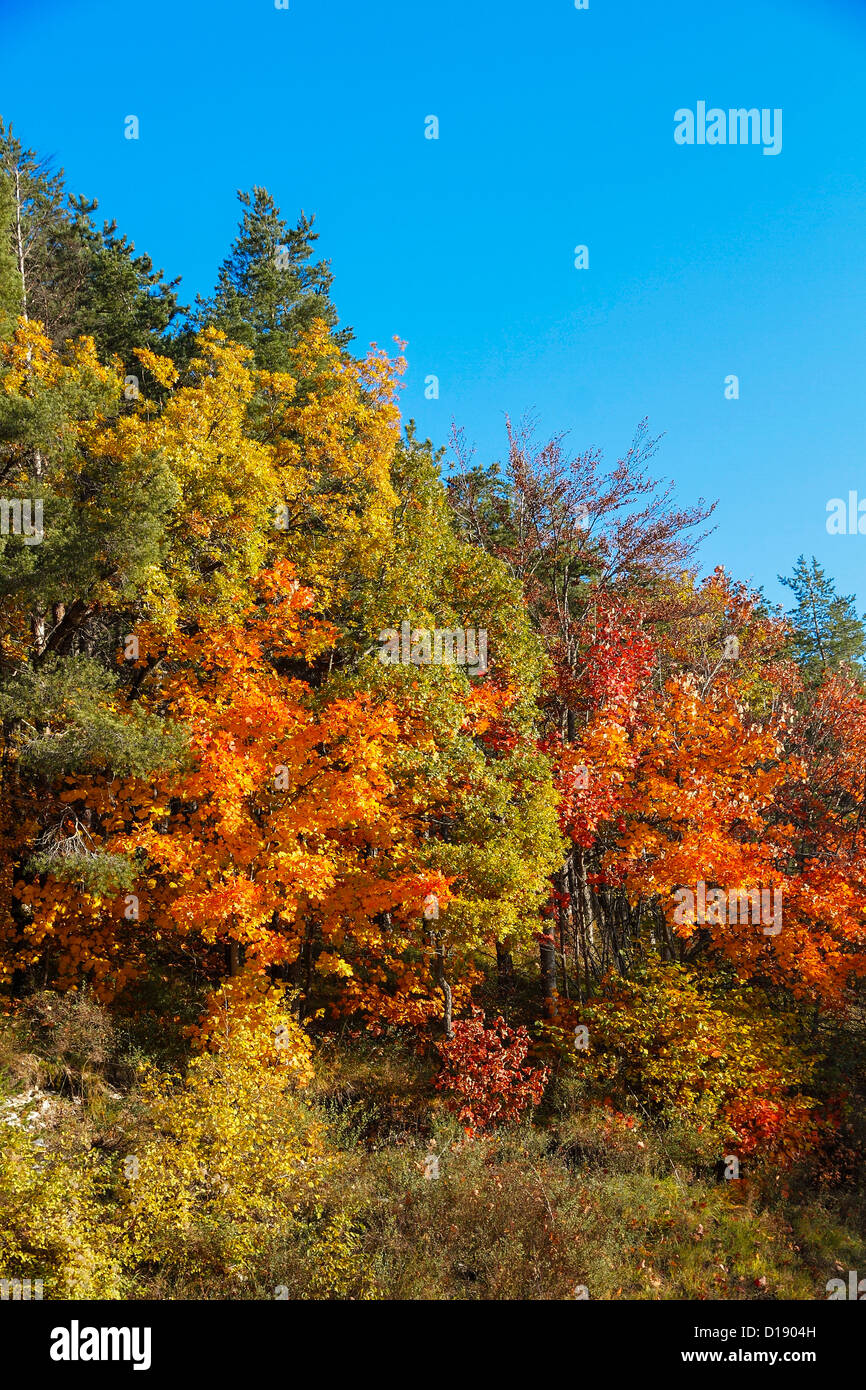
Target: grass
(582, 1198)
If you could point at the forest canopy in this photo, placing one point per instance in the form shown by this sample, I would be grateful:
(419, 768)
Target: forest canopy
(340, 770)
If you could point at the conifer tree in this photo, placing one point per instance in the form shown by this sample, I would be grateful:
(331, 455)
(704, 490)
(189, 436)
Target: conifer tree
(826, 630)
(72, 277)
(269, 288)
(123, 303)
(11, 295)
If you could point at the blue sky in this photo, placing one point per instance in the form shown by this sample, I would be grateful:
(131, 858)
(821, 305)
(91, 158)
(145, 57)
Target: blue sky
(556, 129)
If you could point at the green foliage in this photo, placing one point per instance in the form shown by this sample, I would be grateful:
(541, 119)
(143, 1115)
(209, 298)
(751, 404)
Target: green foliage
(11, 290)
(123, 302)
(66, 715)
(101, 874)
(491, 799)
(105, 510)
(77, 279)
(826, 630)
(269, 289)
(436, 578)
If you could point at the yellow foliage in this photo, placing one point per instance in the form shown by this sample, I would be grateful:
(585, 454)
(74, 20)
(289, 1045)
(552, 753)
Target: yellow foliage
(246, 1022)
(52, 1225)
(232, 1152)
(333, 428)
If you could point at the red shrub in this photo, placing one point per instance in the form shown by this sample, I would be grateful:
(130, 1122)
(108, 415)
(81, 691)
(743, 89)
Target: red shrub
(483, 1072)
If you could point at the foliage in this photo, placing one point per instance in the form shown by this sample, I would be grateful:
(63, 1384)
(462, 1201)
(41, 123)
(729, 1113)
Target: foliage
(228, 1149)
(825, 629)
(484, 1072)
(269, 290)
(252, 873)
(687, 1047)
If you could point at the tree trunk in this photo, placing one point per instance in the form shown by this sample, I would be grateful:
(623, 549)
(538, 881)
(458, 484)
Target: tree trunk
(547, 953)
(580, 892)
(61, 638)
(562, 905)
(504, 971)
(19, 246)
(445, 988)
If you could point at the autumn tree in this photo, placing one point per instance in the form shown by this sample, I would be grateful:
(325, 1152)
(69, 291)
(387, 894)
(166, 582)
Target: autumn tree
(590, 548)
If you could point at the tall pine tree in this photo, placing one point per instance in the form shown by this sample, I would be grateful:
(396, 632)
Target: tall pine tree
(826, 630)
(73, 277)
(11, 291)
(269, 287)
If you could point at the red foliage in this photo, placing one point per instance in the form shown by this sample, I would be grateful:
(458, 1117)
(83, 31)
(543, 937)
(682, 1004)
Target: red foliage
(483, 1070)
(778, 1129)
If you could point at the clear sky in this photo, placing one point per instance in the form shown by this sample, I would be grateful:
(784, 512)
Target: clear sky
(556, 129)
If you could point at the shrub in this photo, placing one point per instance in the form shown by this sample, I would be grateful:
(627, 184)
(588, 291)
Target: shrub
(484, 1075)
(226, 1152)
(717, 1058)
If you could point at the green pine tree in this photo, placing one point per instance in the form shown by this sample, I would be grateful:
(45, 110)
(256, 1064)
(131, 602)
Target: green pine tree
(269, 287)
(123, 303)
(826, 630)
(72, 277)
(38, 226)
(11, 292)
